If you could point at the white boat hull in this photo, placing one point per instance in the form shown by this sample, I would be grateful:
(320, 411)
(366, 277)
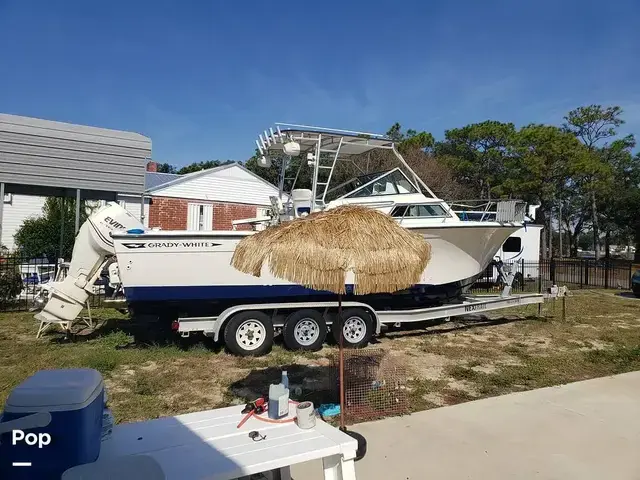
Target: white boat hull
(196, 266)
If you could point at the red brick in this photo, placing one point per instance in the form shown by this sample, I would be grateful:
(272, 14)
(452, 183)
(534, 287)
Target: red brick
(171, 213)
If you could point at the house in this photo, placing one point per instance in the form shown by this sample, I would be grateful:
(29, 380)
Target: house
(206, 200)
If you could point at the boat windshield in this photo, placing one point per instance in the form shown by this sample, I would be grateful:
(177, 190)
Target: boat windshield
(373, 185)
(419, 211)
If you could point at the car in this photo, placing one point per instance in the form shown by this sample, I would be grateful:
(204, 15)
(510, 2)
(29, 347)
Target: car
(635, 283)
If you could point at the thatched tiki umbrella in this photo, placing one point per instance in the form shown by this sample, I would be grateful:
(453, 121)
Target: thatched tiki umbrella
(323, 250)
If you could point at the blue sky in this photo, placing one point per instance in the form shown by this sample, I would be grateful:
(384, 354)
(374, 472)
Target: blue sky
(203, 77)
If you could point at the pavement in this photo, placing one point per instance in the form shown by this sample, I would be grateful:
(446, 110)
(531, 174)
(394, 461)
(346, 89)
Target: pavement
(584, 430)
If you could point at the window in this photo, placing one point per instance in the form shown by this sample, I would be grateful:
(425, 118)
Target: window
(200, 217)
(512, 245)
(416, 211)
(391, 184)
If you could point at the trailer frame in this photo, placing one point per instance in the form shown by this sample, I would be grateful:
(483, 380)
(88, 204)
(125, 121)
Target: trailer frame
(277, 313)
(212, 326)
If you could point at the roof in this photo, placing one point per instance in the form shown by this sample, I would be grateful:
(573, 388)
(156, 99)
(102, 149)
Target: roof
(48, 158)
(350, 142)
(155, 179)
(190, 176)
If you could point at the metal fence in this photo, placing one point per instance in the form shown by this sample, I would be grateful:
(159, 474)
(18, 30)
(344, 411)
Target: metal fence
(22, 280)
(572, 272)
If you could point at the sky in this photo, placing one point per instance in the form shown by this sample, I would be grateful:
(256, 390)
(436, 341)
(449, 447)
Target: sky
(202, 78)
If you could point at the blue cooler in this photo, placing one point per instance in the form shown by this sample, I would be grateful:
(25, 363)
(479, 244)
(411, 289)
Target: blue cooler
(74, 399)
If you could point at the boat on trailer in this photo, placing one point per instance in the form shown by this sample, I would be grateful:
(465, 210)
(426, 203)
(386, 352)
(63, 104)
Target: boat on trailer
(186, 276)
(190, 272)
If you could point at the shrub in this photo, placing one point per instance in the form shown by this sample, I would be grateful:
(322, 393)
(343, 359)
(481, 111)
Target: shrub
(10, 285)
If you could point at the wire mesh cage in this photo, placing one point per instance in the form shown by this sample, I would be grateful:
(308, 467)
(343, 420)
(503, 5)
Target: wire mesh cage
(375, 385)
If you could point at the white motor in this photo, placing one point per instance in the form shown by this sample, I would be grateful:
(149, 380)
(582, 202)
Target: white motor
(93, 244)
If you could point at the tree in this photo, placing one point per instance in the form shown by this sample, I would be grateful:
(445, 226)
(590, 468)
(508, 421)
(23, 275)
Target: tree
(620, 209)
(437, 174)
(477, 153)
(624, 178)
(541, 162)
(411, 139)
(165, 168)
(272, 173)
(38, 236)
(573, 221)
(197, 166)
(593, 124)
(192, 167)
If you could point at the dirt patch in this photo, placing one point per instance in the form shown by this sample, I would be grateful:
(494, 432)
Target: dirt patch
(427, 365)
(488, 368)
(447, 362)
(149, 366)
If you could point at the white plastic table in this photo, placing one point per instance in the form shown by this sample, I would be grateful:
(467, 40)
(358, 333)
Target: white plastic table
(208, 445)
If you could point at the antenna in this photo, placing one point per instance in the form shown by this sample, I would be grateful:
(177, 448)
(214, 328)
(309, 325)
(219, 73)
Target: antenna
(259, 147)
(266, 137)
(264, 146)
(273, 135)
(280, 133)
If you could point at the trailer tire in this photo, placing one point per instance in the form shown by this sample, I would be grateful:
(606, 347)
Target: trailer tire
(249, 334)
(305, 329)
(358, 327)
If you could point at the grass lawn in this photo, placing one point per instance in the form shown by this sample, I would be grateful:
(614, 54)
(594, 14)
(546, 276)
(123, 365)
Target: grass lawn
(474, 357)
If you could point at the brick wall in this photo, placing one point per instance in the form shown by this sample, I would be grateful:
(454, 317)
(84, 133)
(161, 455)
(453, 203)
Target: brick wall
(171, 213)
(225, 213)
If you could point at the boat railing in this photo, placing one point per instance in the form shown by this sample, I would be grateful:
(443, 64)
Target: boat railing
(490, 210)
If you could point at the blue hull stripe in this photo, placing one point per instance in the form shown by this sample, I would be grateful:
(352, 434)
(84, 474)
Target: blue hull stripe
(219, 292)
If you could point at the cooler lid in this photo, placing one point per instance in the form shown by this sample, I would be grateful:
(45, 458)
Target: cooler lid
(67, 388)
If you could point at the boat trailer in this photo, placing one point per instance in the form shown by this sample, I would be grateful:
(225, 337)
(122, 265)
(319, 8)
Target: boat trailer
(305, 324)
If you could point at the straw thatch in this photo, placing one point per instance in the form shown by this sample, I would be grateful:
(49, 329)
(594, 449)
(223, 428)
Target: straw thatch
(319, 250)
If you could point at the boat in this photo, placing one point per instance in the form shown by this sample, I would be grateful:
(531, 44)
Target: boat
(190, 272)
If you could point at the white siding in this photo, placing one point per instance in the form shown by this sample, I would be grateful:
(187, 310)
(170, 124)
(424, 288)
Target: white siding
(22, 207)
(132, 205)
(229, 185)
(17, 211)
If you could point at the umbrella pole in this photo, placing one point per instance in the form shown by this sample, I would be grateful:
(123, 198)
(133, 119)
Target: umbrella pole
(341, 362)
(362, 442)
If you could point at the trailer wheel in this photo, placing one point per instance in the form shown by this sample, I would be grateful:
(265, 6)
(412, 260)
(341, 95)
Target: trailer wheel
(357, 328)
(249, 333)
(305, 329)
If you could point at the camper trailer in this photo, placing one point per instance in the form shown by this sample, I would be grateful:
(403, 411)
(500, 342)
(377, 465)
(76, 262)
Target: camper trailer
(521, 249)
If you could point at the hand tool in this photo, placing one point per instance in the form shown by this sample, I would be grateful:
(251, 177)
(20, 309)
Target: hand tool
(255, 407)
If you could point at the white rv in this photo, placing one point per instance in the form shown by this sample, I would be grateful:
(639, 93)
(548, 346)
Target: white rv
(521, 249)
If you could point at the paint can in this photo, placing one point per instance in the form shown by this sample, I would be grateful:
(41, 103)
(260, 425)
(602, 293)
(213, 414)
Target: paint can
(305, 415)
